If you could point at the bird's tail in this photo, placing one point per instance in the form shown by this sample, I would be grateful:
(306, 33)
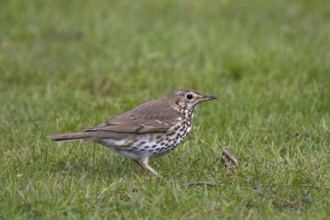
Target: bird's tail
(70, 136)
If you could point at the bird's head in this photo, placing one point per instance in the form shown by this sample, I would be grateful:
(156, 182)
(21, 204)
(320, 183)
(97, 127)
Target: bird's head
(187, 99)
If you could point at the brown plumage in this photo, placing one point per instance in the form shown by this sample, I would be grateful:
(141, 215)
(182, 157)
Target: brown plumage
(151, 129)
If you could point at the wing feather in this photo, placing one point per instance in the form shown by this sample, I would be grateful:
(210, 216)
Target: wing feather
(153, 116)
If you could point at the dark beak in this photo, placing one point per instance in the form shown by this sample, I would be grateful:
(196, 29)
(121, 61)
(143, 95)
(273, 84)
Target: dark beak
(208, 97)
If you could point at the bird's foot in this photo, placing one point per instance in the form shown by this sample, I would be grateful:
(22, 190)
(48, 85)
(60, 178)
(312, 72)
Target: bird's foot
(143, 163)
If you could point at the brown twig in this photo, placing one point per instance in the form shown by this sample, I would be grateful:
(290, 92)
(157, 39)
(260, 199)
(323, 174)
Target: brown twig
(201, 184)
(227, 157)
(317, 187)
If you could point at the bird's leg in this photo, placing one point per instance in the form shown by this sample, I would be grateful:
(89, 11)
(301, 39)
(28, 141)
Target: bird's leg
(138, 163)
(143, 162)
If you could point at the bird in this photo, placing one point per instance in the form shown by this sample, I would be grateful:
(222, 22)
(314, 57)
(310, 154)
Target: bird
(147, 131)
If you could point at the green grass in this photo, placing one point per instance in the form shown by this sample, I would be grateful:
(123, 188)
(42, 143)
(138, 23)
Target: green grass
(69, 65)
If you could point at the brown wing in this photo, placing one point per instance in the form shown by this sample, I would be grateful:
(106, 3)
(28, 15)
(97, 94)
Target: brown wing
(153, 116)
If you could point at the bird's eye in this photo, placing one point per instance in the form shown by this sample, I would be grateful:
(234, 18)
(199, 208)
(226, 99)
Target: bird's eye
(189, 96)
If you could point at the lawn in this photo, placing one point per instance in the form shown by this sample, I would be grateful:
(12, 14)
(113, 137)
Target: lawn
(70, 65)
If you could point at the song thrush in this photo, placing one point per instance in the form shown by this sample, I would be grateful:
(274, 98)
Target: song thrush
(150, 130)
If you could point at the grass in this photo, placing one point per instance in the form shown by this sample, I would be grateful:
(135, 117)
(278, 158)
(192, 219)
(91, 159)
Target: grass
(69, 65)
